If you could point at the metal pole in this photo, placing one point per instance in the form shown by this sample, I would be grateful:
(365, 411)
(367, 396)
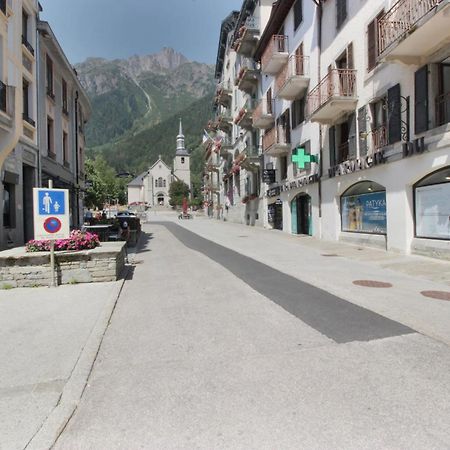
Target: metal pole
(52, 251)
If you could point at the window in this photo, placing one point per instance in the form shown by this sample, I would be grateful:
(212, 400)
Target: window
(363, 208)
(24, 26)
(25, 98)
(50, 138)
(342, 141)
(378, 111)
(283, 167)
(65, 149)
(49, 75)
(164, 183)
(298, 111)
(65, 108)
(182, 160)
(421, 100)
(372, 42)
(298, 13)
(394, 114)
(341, 12)
(432, 208)
(8, 205)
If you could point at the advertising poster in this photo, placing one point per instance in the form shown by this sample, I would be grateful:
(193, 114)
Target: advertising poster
(364, 213)
(433, 211)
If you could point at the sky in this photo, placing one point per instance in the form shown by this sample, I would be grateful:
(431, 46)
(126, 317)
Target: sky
(122, 28)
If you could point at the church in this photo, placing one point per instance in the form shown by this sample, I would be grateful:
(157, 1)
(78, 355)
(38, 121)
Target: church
(152, 186)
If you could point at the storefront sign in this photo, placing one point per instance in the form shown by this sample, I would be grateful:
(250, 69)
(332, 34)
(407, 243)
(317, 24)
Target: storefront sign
(433, 211)
(413, 148)
(356, 165)
(268, 176)
(364, 213)
(296, 184)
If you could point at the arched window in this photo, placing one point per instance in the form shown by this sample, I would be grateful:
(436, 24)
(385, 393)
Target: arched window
(432, 205)
(182, 160)
(160, 182)
(164, 183)
(363, 208)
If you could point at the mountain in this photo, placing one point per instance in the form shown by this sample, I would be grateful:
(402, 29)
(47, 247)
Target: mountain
(136, 102)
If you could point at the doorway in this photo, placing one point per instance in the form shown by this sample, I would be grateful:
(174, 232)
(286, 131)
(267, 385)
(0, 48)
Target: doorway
(301, 215)
(28, 174)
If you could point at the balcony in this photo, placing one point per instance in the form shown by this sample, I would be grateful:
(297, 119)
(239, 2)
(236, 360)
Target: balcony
(334, 96)
(293, 80)
(248, 36)
(263, 116)
(244, 117)
(224, 121)
(379, 137)
(413, 30)
(275, 55)
(27, 45)
(443, 109)
(223, 94)
(276, 142)
(252, 154)
(247, 78)
(224, 145)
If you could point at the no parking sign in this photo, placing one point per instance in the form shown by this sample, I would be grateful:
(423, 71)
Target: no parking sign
(51, 213)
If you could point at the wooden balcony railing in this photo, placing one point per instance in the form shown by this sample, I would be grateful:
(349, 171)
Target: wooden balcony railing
(337, 83)
(401, 19)
(297, 65)
(278, 44)
(379, 137)
(443, 109)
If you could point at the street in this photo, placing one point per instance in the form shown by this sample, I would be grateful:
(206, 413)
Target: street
(211, 349)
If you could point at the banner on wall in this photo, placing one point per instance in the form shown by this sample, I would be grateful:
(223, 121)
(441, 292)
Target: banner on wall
(364, 213)
(433, 211)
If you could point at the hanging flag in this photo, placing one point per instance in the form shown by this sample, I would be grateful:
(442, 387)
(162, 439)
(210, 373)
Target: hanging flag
(206, 137)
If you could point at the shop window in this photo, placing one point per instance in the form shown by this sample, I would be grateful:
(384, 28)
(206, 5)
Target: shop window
(8, 205)
(432, 205)
(363, 208)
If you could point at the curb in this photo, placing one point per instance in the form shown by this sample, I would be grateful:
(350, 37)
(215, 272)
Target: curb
(57, 420)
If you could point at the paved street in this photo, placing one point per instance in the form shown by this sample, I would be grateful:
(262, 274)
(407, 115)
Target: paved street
(211, 349)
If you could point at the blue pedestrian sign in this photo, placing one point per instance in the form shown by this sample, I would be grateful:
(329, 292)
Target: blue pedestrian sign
(51, 213)
(51, 202)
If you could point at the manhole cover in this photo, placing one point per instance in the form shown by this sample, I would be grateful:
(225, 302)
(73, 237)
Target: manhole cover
(438, 295)
(329, 254)
(372, 283)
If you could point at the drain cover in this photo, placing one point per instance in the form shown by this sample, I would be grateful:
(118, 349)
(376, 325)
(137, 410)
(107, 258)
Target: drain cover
(438, 295)
(329, 254)
(372, 283)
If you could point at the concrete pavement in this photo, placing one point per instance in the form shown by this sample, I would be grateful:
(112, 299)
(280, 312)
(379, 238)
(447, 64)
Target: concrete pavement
(49, 341)
(195, 358)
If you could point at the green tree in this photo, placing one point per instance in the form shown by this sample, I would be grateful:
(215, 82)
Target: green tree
(177, 191)
(105, 186)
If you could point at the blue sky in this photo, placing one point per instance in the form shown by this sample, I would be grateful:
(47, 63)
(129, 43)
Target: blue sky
(122, 28)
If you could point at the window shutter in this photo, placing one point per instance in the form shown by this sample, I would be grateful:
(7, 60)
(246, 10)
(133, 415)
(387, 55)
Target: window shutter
(394, 114)
(298, 13)
(362, 127)
(371, 45)
(352, 137)
(421, 100)
(332, 144)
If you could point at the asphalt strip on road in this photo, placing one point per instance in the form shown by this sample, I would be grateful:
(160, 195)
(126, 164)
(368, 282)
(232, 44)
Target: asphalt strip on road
(332, 316)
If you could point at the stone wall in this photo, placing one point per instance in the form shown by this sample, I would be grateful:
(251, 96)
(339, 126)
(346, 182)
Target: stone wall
(21, 269)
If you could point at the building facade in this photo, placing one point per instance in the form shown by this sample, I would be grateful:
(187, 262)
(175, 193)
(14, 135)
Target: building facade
(353, 104)
(63, 112)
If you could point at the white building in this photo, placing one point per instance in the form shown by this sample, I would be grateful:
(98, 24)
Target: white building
(19, 156)
(152, 186)
(368, 161)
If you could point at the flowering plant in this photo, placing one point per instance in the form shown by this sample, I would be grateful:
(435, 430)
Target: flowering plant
(77, 240)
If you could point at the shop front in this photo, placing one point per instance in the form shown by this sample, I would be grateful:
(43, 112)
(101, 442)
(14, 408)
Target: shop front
(301, 220)
(275, 214)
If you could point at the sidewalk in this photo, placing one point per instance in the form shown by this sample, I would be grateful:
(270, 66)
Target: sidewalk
(334, 266)
(49, 341)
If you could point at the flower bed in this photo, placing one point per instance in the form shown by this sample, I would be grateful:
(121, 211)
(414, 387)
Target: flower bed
(76, 241)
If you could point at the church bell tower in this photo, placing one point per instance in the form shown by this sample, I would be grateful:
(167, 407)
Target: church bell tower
(181, 163)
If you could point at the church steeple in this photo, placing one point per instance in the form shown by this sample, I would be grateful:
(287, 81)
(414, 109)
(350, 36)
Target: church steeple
(181, 151)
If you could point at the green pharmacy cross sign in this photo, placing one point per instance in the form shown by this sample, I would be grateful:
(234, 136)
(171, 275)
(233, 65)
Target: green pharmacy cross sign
(300, 157)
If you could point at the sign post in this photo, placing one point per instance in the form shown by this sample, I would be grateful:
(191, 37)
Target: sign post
(51, 218)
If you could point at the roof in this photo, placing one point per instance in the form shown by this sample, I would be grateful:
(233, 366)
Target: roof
(139, 180)
(227, 26)
(159, 160)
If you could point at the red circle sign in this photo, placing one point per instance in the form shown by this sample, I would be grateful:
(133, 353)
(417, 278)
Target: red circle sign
(52, 225)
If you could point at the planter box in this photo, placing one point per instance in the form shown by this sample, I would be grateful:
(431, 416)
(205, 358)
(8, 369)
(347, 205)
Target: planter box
(21, 269)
